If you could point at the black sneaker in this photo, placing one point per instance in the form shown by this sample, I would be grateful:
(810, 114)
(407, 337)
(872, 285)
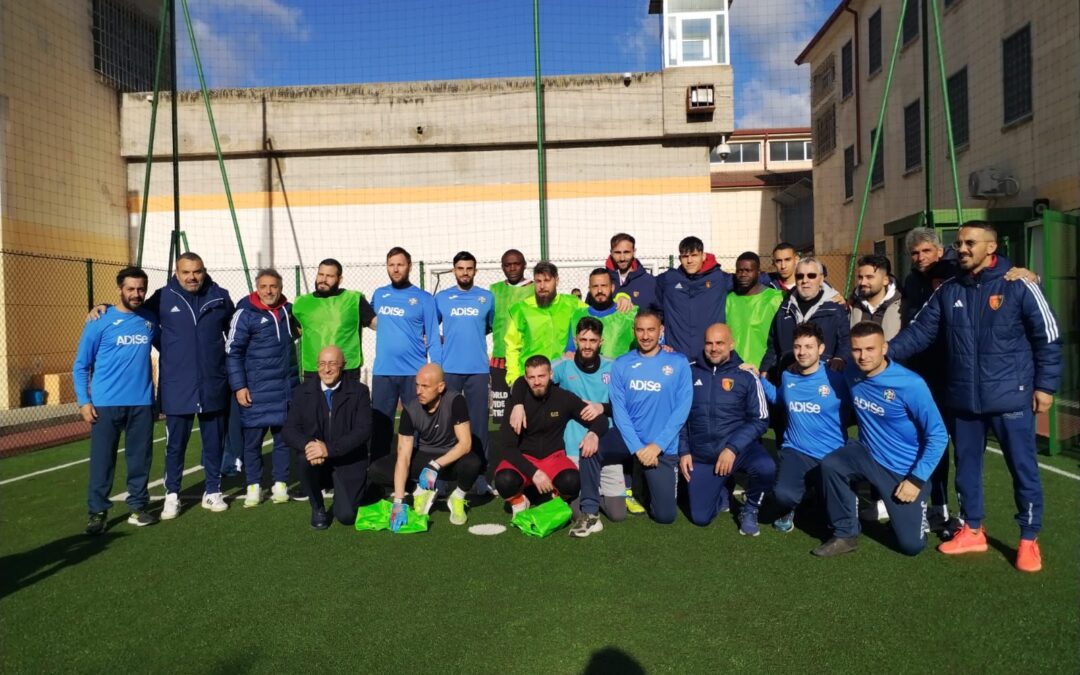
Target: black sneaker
(836, 546)
(141, 518)
(96, 524)
(320, 520)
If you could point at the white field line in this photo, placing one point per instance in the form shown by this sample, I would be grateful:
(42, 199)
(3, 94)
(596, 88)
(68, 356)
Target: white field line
(62, 466)
(1044, 467)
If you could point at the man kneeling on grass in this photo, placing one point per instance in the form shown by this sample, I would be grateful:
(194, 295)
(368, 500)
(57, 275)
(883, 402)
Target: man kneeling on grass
(901, 439)
(535, 456)
(437, 423)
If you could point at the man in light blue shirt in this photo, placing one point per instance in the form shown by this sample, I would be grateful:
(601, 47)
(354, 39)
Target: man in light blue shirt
(115, 393)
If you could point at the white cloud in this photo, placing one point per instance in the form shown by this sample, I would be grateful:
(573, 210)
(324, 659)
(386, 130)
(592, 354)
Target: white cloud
(287, 21)
(642, 44)
(764, 105)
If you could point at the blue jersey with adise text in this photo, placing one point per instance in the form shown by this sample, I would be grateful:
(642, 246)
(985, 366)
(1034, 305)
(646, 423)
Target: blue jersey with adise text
(466, 318)
(112, 365)
(650, 399)
(407, 331)
(816, 407)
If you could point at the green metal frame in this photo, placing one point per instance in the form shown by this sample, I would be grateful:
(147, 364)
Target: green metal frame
(541, 163)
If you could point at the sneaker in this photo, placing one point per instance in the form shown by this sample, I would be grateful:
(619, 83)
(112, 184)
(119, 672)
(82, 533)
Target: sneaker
(937, 517)
(951, 529)
(966, 540)
(141, 518)
(279, 493)
(874, 512)
(214, 501)
(457, 510)
(328, 494)
(172, 506)
(633, 506)
(253, 497)
(785, 523)
(748, 524)
(422, 501)
(1028, 558)
(320, 519)
(518, 504)
(96, 523)
(836, 546)
(586, 524)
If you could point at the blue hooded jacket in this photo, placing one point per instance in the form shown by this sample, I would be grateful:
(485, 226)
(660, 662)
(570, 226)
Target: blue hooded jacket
(640, 285)
(691, 303)
(261, 357)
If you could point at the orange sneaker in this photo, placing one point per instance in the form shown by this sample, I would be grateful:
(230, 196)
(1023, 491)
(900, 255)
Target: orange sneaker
(1028, 558)
(966, 540)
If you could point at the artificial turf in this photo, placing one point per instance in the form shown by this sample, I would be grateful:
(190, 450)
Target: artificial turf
(255, 590)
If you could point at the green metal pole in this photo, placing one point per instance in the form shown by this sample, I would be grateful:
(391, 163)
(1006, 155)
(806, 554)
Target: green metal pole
(422, 282)
(296, 269)
(175, 135)
(948, 111)
(89, 283)
(153, 127)
(875, 146)
(217, 144)
(928, 154)
(541, 164)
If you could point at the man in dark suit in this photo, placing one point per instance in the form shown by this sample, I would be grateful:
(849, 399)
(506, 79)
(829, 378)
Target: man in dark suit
(329, 425)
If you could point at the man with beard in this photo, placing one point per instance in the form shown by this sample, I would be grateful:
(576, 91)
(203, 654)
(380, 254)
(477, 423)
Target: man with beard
(332, 316)
(539, 324)
(407, 334)
(618, 326)
(115, 392)
(506, 294)
(627, 274)
(262, 374)
(466, 313)
(876, 297)
(750, 309)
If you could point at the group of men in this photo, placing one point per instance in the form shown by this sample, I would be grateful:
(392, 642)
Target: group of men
(650, 382)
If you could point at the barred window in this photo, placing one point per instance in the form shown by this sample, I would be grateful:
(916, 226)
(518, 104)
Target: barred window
(873, 39)
(912, 136)
(825, 132)
(958, 106)
(849, 172)
(847, 72)
(823, 81)
(877, 173)
(1016, 74)
(125, 47)
(911, 21)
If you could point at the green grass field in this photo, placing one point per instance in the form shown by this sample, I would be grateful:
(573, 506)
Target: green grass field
(255, 590)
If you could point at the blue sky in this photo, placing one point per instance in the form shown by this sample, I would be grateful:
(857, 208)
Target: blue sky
(305, 42)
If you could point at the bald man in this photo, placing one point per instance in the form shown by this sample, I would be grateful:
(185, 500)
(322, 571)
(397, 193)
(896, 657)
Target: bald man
(436, 424)
(721, 436)
(329, 425)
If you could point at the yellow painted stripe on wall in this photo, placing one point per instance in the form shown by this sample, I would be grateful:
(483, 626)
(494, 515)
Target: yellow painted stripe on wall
(631, 187)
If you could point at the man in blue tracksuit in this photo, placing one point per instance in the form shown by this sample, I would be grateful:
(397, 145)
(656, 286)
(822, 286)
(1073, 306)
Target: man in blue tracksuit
(115, 393)
(721, 436)
(650, 398)
(817, 404)
(692, 297)
(466, 313)
(261, 358)
(627, 274)
(194, 314)
(406, 335)
(1002, 347)
(901, 439)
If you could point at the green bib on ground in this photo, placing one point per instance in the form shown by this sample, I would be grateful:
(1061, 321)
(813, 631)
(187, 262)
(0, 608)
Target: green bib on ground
(333, 320)
(542, 520)
(505, 297)
(538, 330)
(750, 317)
(375, 517)
(618, 331)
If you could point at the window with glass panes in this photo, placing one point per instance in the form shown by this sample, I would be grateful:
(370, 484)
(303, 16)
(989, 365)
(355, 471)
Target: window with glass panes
(789, 151)
(741, 153)
(912, 135)
(873, 40)
(1016, 74)
(847, 71)
(958, 106)
(877, 173)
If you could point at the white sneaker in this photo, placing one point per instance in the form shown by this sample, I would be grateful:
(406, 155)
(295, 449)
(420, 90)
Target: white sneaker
(519, 506)
(254, 496)
(214, 501)
(172, 506)
(279, 493)
(875, 511)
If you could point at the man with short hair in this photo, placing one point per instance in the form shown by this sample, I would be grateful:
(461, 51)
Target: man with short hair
(722, 434)
(262, 374)
(115, 392)
(692, 297)
(535, 456)
(650, 399)
(436, 424)
(618, 326)
(901, 438)
(328, 425)
(750, 308)
(817, 406)
(406, 335)
(784, 257)
(466, 313)
(539, 324)
(506, 293)
(876, 297)
(627, 273)
(332, 315)
(807, 303)
(1002, 348)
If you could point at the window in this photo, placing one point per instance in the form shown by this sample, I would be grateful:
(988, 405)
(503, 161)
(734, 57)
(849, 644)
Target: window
(789, 151)
(877, 173)
(741, 153)
(847, 79)
(697, 32)
(1016, 74)
(825, 130)
(911, 21)
(912, 136)
(849, 172)
(125, 47)
(823, 81)
(873, 39)
(958, 107)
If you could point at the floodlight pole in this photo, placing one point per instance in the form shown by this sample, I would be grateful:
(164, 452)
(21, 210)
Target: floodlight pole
(541, 165)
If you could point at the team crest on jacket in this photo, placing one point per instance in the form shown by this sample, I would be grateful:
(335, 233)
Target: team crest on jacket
(708, 284)
(667, 370)
(412, 301)
(606, 378)
(996, 301)
(889, 395)
(727, 383)
(482, 299)
(823, 390)
(637, 293)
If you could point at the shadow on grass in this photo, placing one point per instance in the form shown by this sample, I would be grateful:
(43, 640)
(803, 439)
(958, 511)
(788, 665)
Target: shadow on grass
(22, 570)
(610, 660)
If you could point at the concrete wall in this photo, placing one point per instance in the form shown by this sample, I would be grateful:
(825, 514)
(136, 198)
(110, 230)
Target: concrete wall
(744, 219)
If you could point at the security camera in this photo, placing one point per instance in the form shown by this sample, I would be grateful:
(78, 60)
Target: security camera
(626, 79)
(722, 151)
